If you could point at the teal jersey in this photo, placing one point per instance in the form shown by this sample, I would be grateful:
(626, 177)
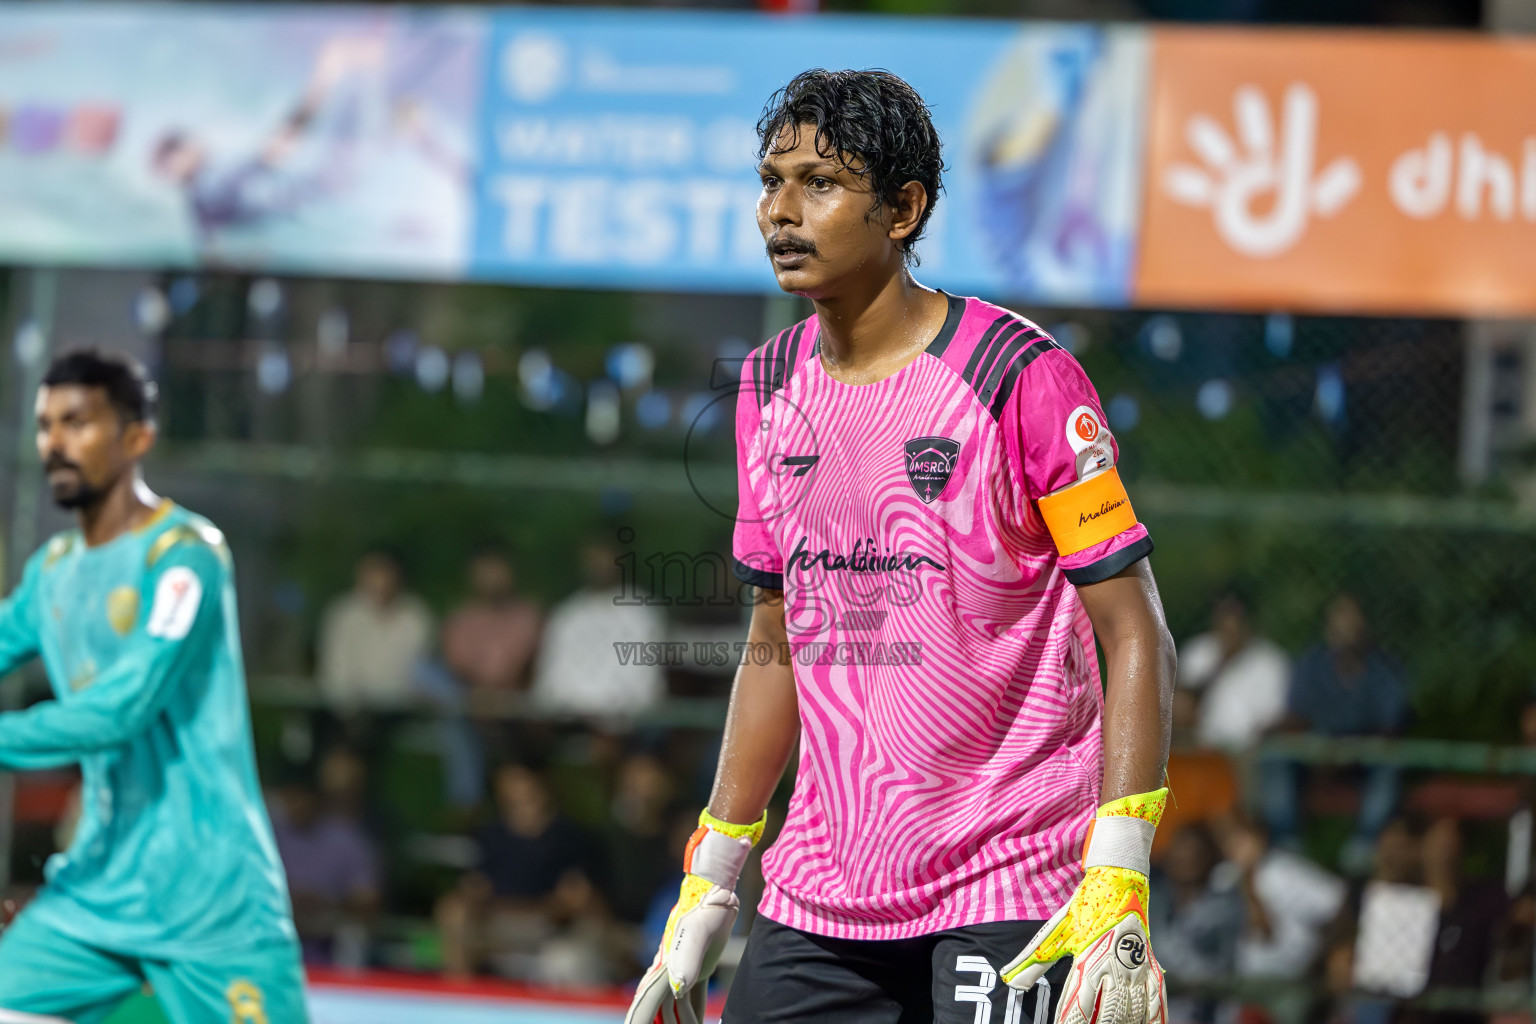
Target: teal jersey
(173, 857)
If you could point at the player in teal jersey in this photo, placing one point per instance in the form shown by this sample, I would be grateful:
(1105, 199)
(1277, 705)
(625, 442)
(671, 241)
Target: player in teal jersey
(173, 877)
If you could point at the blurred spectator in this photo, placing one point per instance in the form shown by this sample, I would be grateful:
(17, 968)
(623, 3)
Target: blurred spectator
(1344, 686)
(1232, 682)
(580, 670)
(1458, 951)
(372, 636)
(530, 911)
(1397, 863)
(1472, 916)
(1290, 903)
(1196, 917)
(333, 871)
(639, 850)
(489, 641)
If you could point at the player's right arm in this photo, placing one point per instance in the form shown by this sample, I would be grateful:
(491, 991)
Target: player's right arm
(760, 731)
(183, 595)
(763, 720)
(18, 622)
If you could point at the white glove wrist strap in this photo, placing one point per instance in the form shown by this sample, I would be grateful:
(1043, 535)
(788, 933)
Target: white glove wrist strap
(1120, 841)
(719, 858)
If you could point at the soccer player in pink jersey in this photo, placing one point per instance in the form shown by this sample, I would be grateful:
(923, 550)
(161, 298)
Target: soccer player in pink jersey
(933, 523)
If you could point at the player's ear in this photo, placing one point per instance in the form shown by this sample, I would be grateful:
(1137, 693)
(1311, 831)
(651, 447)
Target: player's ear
(906, 210)
(139, 437)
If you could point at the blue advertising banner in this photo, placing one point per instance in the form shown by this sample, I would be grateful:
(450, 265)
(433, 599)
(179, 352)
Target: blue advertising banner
(618, 148)
(583, 148)
(306, 139)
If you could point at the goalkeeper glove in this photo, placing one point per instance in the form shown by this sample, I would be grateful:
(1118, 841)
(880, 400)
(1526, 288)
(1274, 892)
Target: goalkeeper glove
(672, 991)
(1115, 979)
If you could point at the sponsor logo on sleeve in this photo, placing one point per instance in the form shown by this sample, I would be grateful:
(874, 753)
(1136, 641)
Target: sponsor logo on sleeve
(1090, 441)
(177, 597)
(1085, 428)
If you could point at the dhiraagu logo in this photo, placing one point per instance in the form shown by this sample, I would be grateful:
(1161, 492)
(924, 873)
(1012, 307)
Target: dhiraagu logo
(1261, 182)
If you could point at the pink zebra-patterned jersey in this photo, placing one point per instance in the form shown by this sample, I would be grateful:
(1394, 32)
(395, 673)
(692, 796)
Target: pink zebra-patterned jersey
(949, 692)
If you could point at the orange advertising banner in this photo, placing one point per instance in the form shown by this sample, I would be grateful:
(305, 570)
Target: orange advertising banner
(1352, 172)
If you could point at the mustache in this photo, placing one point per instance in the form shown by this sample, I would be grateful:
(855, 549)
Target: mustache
(57, 461)
(782, 244)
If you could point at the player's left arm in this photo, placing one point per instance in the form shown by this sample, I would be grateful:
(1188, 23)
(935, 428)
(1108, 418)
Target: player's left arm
(177, 633)
(1127, 617)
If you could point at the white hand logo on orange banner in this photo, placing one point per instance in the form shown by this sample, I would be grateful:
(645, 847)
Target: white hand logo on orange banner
(1237, 183)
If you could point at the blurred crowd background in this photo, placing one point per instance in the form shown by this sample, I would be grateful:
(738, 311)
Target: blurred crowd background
(482, 531)
(487, 648)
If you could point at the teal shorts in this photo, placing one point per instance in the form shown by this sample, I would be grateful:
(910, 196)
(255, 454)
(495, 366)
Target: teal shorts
(52, 978)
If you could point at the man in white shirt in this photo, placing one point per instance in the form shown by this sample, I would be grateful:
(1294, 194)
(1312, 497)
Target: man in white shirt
(1232, 683)
(372, 637)
(597, 642)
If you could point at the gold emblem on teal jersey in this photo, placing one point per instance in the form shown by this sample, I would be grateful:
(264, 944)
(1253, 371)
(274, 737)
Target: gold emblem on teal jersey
(123, 609)
(189, 534)
(246, 1003)
(57, 549)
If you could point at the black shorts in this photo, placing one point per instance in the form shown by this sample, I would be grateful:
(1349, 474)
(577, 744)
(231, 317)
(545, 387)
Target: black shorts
(948, 977)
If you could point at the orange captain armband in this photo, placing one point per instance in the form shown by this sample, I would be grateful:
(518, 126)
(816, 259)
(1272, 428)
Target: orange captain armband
(1088, 513)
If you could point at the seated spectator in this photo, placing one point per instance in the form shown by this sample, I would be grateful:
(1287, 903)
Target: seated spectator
(1290, 903)
(1457, 953)
(1344, 686)
(1196, 918)
(580, 671)
(1472, 916)
(640, 856)
(489, 641)
(333, 870)
(530, 911)
(371, 638)
(1232, 682)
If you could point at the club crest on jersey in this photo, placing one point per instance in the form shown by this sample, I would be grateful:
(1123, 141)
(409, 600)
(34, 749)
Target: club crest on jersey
(930, 461)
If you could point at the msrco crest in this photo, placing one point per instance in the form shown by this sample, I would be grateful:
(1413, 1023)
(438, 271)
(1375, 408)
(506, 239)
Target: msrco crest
(930, 461)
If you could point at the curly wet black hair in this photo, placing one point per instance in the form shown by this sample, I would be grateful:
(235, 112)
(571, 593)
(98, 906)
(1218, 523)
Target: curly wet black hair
(873, 122)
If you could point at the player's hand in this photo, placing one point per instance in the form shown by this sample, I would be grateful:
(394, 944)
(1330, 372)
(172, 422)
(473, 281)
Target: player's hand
(1115, 979)
(673, 990)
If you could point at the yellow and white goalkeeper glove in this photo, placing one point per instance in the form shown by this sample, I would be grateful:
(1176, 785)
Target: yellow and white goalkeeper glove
(672, 991)
(1115, 979)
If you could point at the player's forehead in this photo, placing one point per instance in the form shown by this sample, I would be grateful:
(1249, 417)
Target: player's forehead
(802, 149)
(79, 399)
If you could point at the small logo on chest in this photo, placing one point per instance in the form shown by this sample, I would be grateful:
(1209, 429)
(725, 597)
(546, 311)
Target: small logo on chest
(123, 609)
(930, 461)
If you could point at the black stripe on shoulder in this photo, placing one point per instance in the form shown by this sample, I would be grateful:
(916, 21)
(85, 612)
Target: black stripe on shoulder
(759, 360)
(1104, 568)
(940, 342)
(1009, 344)
(758, 577)
(983, 345)
(773, 361)
(1002, 390)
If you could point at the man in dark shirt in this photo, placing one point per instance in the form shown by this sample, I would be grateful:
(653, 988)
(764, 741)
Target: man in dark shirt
(533, 877)
(1344, 686)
